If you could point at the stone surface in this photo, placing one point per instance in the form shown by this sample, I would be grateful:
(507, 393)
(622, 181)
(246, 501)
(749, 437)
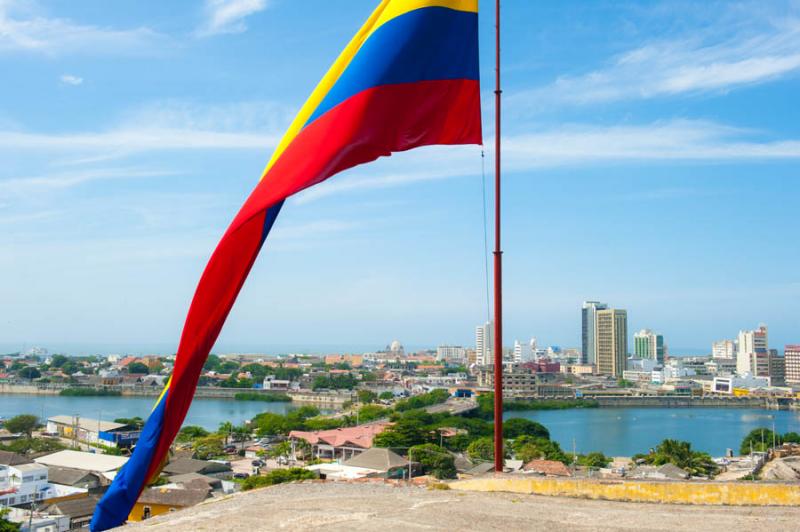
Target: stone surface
(370, 506)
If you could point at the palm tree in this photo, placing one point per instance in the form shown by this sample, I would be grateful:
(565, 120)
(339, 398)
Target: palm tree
(225, 428)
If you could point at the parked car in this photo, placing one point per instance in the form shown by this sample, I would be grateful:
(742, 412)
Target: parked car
(230, 449)
(258, 463)
(240, 475)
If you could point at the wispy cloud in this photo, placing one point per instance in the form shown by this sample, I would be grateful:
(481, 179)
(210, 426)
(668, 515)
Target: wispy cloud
(69, 79)
(58, 181)
(227, 16)
(23, 28)
(572, 146)
(705, 61)
(162, 126)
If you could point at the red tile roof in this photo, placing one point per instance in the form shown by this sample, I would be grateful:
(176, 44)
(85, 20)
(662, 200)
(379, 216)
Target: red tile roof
(547, 467)
(360, 436)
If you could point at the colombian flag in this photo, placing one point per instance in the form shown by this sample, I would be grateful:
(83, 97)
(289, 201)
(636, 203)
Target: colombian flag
(408, 78)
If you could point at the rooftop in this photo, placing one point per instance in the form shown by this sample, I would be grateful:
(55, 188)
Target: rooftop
(87, 423)
(360, 436)
(85, 461)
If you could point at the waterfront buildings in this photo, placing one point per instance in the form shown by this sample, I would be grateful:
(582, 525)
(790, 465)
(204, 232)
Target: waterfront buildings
(791, 356)
(648, 344)
(611, 341)
(340, 443)
(89, 430)
(725, 349)
(749, 343)
(483, 344)
(588, 330)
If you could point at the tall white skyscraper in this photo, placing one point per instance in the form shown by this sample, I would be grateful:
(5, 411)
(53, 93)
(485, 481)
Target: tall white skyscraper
(749, 343)
(723, 349)
(589, 330)
(524, 352)
(483, 344)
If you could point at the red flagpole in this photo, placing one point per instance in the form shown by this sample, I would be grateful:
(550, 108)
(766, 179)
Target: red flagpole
(499, 461)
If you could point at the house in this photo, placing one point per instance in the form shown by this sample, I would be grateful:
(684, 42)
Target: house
(182, 466)
(191, 480)
(77, 478)
(105, 464)
(91, 430)
(23, 484)
(374, 463)
(158, 501)
(79, 510)
(340, 443)
(548, 468)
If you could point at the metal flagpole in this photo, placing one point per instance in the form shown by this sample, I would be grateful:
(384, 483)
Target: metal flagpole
(498, 266)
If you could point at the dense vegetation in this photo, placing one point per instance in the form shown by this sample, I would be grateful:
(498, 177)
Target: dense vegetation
(25, 424)
(434, 460)
(680, 453)
(266, 397)
(89, 392)
(763, 439)
(277, 476)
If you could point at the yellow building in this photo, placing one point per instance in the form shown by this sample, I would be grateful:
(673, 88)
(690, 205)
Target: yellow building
(158, 501)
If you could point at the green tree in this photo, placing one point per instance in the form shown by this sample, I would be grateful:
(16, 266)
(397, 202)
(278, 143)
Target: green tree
(212, 363)
(23, 423)
(282, 449)
(137, 368)
(595, 459)
(256, 370)
(70, 367)
(191, 432)
(29, 372)
(761, 440)
(208, 447)
(527, 448)
(680, 453)
(135, 422)
(791, 437)
(270, 424)
(405, 433)
(386, 396)
(225, 429)
(434, 460)
(58, 360)
(482, 449)
(372, 412)
(5, 524)
(366, 396)
(277, 476)
(515, 427)
(229, 366)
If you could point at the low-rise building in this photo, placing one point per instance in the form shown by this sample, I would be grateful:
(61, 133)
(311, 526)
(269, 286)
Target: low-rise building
(340, 443)
(24, 484)
(159, 501)
(105, 464)
(90, 430)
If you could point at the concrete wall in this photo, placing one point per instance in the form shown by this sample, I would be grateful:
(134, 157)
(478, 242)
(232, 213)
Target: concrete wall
(724, 493)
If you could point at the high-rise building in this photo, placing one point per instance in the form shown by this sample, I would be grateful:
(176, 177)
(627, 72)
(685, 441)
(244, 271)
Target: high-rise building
(451, 353)
(524, 352)
(791, 359)
(750, 342)
(648, 344)
(483, 344)
(611, 339)
(723, 349)
(588, 330)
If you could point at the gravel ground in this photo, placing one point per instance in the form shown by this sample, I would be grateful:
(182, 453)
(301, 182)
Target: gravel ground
(344, 506)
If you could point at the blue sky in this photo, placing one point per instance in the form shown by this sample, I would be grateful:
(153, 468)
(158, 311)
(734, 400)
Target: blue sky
(651, 153)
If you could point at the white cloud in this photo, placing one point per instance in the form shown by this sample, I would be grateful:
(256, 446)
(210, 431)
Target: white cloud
(25, 185)
(227, 16)
(702, 62)
(69, 79)
(568, 146)
(23, 29)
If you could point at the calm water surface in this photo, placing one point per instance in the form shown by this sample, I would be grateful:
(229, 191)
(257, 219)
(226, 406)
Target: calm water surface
(207, 413)
(627, 431)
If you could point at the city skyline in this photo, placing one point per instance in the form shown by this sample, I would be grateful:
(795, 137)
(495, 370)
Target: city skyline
(644, 150)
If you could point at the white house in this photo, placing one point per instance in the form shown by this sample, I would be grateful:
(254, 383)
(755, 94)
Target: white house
(24, 483)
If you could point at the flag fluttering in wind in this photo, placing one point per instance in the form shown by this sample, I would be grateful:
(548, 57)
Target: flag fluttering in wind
(408, 78)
